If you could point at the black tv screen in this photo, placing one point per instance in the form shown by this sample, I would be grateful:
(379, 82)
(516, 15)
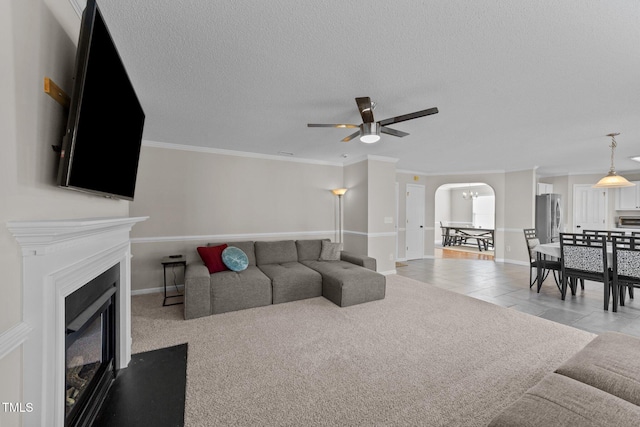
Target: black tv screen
(101, 148)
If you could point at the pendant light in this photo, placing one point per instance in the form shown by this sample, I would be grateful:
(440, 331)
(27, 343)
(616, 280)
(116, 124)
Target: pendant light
(612, 179)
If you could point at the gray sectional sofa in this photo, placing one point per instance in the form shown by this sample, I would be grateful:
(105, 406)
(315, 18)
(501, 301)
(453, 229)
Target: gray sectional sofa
(281, 271)
(598, 386)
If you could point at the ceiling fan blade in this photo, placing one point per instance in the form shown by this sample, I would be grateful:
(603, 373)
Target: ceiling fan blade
(350, 137)
(393, 132)
(365, 108)
(409, 116)
(331, 125)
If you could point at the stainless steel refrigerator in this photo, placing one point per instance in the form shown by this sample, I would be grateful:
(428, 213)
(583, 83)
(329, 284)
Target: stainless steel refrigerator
(548, 217)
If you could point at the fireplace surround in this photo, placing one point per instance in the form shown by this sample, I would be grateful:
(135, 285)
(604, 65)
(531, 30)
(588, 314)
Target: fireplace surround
(58, 258)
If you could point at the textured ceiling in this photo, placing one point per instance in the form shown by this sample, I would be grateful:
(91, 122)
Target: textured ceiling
(519, 84)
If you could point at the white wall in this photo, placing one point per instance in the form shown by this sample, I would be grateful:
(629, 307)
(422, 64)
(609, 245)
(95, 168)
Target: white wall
(33, 44)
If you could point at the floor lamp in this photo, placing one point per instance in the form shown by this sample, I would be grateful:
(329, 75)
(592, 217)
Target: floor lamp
(339, 192)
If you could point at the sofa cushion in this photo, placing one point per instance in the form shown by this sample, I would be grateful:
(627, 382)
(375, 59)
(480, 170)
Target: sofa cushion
(232, 290)
(610, 363)
(276, 252)
(347, 284)
(292, 281)
(235, 259)
(212, 258)
(562, 401)
(330, 251)
(309, 249)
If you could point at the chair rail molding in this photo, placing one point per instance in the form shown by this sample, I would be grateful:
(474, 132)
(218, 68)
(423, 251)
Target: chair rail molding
(13, 338)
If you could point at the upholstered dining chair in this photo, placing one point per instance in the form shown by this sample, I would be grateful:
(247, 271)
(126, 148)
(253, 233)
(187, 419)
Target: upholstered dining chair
(626, 265)
(547, 265)
(584, 257)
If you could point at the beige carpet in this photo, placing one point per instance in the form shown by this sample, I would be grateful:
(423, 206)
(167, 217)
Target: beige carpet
(422, 356)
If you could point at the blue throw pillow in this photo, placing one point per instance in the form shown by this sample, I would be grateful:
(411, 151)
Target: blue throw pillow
(235, 259)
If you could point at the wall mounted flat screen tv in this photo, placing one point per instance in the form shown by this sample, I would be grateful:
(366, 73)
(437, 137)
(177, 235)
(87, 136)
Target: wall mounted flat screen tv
(101, 147)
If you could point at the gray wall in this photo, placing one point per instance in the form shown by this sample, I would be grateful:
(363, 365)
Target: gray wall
(196, 197)
(516, 187)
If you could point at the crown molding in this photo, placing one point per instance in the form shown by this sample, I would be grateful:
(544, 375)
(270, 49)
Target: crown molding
(78, 6)
(224, 152)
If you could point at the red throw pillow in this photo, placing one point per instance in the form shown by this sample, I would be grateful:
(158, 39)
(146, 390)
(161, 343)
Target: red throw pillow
(212, 257)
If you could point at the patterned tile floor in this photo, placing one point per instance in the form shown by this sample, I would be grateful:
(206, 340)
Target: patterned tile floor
(508, 285)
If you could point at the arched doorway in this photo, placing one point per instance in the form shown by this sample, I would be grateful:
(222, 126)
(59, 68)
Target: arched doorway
(465, 216)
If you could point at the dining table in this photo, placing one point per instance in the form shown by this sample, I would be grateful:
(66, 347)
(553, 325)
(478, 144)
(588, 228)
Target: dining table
(553, 250)
(484, 237)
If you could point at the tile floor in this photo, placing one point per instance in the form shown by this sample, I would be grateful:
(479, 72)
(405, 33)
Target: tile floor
(508, 285)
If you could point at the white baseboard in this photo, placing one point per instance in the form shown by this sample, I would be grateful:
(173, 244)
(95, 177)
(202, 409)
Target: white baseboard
(160, 289)
(512, 261)
(387, 273)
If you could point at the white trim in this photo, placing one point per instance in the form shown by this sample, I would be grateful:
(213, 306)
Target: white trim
(427, 174)
(49, 236)
(512, 261)
(58, 257)
(370, 157)
(387, 273)
(13, 338)
(221, 151)
(78, 7)
(160, 289)
(380, 234)
(228, 237)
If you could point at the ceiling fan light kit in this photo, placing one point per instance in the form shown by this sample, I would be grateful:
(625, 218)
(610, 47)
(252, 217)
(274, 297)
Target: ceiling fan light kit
(369, 131)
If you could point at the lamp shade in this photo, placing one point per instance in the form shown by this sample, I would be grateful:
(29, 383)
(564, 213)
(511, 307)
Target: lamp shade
(613, 180)
(339, 191)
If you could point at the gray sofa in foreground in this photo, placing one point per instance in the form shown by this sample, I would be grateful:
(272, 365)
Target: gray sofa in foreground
(598, 386)
(278, 272)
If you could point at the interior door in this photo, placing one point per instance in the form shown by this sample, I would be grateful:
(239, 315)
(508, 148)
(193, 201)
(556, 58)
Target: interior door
(589, 208)
(415, 221)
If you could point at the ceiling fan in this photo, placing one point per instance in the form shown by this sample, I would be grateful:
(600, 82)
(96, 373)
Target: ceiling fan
(369, 130)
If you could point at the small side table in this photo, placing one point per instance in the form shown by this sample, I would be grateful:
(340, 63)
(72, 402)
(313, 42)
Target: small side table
(172, 262)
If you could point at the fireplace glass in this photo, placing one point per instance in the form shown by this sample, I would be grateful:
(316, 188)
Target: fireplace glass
(84, 358)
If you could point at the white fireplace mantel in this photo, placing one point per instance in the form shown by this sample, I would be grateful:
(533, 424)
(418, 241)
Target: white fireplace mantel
(59, 257)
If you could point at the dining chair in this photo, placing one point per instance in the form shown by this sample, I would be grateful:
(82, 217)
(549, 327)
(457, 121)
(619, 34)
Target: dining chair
(547, 265)
(584, 257)
(449, 239)
(445, 234)
(608, 233)
(626, 265)
(595, 232)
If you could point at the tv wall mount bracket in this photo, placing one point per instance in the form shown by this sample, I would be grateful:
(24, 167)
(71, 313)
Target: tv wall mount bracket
(55, 92)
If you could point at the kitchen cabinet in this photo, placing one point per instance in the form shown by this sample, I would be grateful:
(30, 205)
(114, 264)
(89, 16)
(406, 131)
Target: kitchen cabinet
(628, 198)
(544, 188)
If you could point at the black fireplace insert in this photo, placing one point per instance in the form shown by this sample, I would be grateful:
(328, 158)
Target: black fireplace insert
(90, 317)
